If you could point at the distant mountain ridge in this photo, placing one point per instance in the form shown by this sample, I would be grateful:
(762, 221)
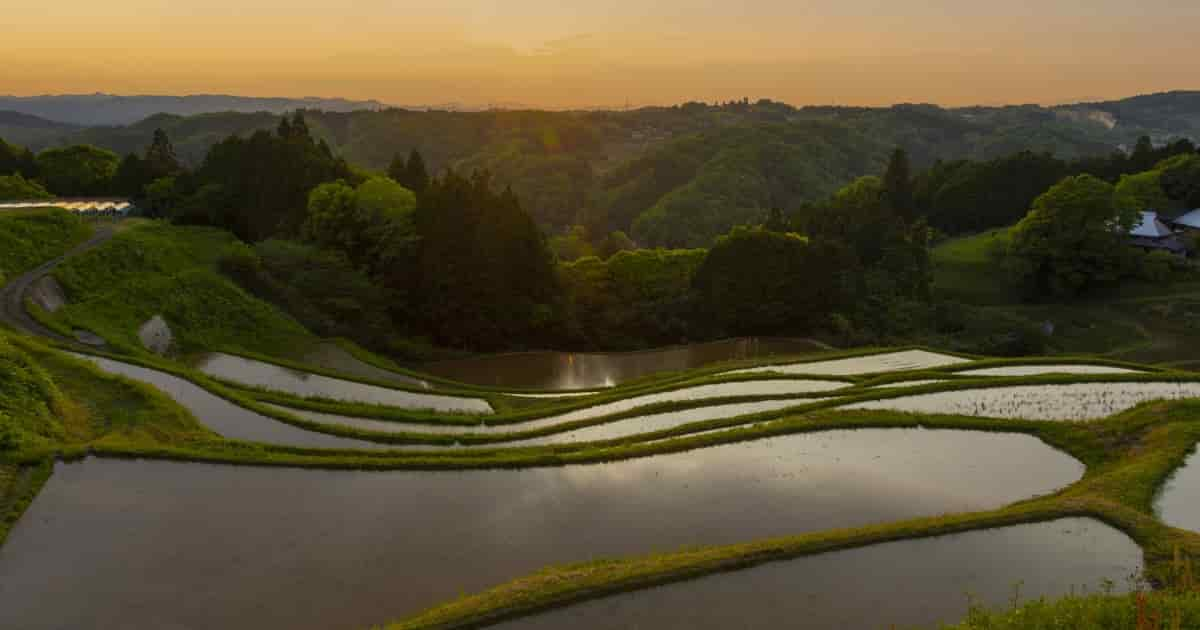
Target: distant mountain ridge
(673, 176)
(114, 109)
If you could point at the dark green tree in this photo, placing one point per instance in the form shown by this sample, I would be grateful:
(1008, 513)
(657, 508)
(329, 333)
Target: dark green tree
(756, 281)
(160, 156)
(78, 171)
(486, 276)
(261, 183)
(898, 185)
(396, 169)
(133, 174)
(416, 178)
(1074, 238)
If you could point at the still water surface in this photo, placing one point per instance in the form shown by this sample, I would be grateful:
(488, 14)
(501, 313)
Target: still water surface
(282, 379)
(224, 417)
(778, 387)
(900, 584)
(582, 370)
(116, 544)
(1179, 502)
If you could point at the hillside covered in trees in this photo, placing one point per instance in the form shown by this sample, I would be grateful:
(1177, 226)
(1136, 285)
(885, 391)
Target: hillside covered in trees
(672, 176)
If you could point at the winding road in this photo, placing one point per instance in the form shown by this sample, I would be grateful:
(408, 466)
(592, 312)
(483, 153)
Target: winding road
(12, 295)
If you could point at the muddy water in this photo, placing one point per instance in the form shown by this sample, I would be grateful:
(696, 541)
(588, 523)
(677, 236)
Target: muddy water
(911, 583)
(565, 370)
(112, 543)
(222, 416)
(278, 378)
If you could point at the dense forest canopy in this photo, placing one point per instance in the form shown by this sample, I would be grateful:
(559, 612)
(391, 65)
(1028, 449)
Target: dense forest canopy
(741, 219)
(680, 176)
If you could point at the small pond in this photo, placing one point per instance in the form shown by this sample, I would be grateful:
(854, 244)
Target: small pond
(583, 370)
(905, 360)
(903, 584)
(282, 379)
(222, 416)
(118, 543)
(1078, 401)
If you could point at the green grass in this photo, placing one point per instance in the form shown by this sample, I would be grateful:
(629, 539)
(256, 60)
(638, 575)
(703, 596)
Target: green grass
(963, 270)
(1134, 611)
(159, 269)
(29, 238)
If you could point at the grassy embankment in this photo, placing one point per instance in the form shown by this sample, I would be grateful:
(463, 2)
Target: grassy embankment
(1148, 322)
(29, 238)
(1135, 611)
(49, 402)
(153, 268)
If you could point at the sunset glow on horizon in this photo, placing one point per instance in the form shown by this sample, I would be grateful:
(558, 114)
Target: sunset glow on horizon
(607, 53)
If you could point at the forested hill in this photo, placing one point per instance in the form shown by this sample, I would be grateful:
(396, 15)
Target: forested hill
(681, 175)
(115, 109)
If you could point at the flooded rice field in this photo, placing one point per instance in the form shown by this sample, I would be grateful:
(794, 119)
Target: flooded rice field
(904, 584)
(1078, 401)
(114, 543)
(331, 356)
(700, 392)
(1033, 370)
(611, 430)
(583, 370)
(282, 379)
(889, 362)
(222, 416)
(1178, 503)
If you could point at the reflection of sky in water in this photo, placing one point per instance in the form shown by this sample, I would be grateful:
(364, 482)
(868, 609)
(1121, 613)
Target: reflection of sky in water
(1078, 401)
(1179, 502)
(887, 362)
(224, 417)
(912, 583)
(278, 378)
(746, 388)
(562, 370)
(265, 547)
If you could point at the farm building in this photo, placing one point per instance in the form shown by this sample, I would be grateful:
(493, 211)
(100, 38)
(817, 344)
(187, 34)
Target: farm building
(1188, 220)
(1152, 233)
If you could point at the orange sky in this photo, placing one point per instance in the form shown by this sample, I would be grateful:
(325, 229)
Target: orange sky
(606, 52)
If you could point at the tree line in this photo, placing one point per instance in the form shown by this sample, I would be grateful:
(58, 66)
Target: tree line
(457, 260)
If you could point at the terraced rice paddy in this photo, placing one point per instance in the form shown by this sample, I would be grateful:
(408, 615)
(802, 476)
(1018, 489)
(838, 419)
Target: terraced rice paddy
(610, 430)
(696, 393)
(222, 416)
(1031, 370)
(901, 584)
(299, 548)
(586, 370)
(269, 547)
(1079, 401)
(304, 384)
(872, 364)
(1179, 502)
